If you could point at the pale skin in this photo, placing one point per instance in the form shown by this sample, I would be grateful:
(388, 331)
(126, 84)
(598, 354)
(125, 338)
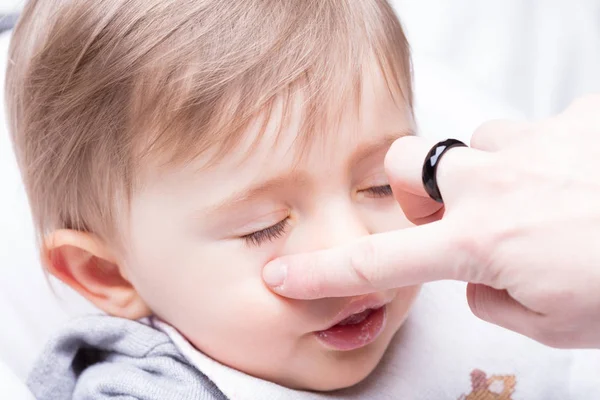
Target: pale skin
(190, 257)
(521, 223)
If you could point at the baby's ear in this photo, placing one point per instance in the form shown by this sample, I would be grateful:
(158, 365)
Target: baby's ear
(86, 264)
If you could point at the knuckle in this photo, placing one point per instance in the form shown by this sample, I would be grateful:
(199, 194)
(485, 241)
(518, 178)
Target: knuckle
(363, 262)
(492, 175)
(499, 133)
(488, 131)
(482, 133)
(473, 256)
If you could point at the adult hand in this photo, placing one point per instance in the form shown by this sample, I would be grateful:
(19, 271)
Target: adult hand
(521, 223)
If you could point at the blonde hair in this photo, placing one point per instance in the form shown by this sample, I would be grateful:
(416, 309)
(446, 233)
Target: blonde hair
(95, 88)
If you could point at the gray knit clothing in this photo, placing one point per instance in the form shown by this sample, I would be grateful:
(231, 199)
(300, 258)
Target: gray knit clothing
(101, 357)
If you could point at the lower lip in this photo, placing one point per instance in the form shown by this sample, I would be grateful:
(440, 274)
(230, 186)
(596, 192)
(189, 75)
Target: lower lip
(352, 337)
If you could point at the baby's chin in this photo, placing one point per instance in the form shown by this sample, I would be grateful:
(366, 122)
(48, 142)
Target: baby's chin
(339, 370)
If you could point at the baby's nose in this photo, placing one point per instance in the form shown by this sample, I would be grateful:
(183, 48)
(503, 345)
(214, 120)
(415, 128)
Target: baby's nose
(336, 225)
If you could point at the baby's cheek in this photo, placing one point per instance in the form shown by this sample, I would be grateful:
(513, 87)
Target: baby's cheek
(218, 301)
(247, 328)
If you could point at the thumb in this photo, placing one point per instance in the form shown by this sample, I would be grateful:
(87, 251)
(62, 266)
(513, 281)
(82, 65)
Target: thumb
(499, 308)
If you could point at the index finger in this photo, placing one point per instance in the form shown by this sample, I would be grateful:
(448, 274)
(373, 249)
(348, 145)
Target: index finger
(377, 262)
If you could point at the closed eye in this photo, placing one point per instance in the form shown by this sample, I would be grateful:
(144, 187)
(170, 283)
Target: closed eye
(268, 234)
(379, 191)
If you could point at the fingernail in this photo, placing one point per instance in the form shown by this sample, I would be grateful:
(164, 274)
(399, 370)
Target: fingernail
(274, 274)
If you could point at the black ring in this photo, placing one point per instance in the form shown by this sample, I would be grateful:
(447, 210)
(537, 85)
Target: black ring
(430, 167)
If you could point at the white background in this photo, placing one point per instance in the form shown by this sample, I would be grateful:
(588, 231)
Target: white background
(473, 60)
(8, 6)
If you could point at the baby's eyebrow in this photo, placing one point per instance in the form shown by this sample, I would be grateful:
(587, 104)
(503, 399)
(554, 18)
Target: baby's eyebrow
(297, 178)
(368, 149)
(292, 178)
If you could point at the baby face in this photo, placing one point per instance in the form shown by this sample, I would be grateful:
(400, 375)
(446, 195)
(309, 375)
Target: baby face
(199, 237)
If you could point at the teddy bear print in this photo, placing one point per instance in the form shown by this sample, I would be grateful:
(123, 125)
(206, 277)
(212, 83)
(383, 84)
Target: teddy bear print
(496, 387)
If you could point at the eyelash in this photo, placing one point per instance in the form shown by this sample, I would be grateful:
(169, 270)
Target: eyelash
(380, 191)
(271, 233)
(276, 231)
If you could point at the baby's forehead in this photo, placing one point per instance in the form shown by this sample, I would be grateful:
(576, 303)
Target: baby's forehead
(270, 149)
(295, 126)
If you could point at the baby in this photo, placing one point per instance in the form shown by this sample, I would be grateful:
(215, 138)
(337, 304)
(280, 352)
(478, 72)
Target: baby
(171, 148)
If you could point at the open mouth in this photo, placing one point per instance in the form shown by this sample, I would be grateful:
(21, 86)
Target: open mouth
(356, 318)
(355, 331)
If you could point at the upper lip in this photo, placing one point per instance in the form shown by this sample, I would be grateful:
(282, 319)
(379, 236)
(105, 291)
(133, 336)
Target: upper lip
(359, 305)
